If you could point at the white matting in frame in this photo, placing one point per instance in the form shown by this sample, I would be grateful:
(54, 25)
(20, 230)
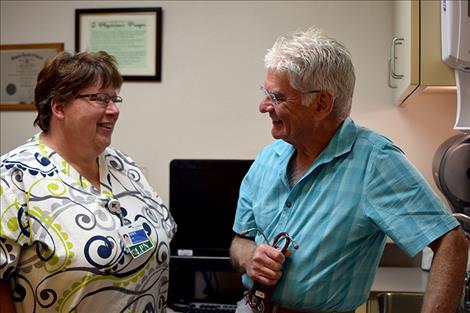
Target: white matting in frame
(131, 35)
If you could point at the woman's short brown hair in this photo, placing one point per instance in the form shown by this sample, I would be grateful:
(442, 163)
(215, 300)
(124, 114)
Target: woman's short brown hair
(66, 74)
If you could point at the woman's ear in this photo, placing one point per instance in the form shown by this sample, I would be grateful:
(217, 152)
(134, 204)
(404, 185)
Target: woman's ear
(57, 109)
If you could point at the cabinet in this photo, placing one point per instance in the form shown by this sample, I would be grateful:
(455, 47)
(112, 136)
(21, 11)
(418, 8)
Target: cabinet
(415, 56)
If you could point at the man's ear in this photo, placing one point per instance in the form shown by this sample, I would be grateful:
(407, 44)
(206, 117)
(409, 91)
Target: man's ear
(57, 109)
(324, 103)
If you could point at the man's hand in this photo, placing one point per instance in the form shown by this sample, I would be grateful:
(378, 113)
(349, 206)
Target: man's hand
(262, 263)
(266, 265)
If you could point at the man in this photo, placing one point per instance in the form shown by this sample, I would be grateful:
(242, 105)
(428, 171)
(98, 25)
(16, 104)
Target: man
(337, 189)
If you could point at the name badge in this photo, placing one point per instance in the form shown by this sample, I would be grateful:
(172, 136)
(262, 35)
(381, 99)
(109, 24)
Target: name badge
(135, 239)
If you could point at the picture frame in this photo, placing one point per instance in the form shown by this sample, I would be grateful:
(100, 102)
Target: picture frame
(132, 35)
(21, 64)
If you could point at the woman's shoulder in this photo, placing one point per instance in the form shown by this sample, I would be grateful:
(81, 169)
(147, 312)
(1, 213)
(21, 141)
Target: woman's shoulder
(30, 156)
(26, 148)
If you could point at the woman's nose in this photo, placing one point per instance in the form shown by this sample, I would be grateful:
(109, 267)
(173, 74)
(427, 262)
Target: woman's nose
(112, 108)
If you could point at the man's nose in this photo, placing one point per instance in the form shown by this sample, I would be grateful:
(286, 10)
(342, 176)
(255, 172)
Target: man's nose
(266, 105)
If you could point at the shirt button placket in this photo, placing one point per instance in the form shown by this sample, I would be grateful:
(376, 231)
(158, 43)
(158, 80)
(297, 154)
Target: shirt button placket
(284, 215)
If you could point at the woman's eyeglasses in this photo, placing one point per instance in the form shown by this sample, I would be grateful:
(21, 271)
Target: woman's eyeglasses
(102, 99)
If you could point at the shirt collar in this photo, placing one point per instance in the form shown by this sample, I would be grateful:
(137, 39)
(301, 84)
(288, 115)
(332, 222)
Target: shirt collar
(341, 143)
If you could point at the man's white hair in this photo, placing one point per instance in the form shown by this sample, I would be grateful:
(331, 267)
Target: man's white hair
(313, 60)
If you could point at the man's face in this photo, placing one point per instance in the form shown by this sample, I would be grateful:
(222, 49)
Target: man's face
(292, 121)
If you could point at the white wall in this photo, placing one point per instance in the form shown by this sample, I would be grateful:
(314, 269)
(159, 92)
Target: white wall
(206, 104)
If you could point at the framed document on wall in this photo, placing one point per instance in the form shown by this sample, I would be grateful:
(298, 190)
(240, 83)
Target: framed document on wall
(21, 64)
(132, 35)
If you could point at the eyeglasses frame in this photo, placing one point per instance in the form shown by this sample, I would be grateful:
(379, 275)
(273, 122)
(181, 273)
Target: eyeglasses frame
(275, 101)
(94, 97)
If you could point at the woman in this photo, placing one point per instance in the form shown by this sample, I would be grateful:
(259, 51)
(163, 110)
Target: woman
(68, 201)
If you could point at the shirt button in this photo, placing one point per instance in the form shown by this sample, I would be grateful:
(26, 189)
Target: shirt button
(288, 204)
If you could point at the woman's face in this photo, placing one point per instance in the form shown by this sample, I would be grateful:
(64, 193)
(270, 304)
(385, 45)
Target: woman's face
(88, 122)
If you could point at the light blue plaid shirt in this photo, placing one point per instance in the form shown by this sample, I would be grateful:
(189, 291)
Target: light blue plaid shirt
(360, 188)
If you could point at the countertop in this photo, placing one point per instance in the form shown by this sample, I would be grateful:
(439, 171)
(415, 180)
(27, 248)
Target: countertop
(403, 279)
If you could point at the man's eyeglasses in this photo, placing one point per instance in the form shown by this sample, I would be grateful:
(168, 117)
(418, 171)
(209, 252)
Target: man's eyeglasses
(102, 99)
(277, 98)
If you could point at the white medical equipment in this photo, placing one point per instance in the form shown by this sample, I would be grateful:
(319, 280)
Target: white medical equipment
(455, 33)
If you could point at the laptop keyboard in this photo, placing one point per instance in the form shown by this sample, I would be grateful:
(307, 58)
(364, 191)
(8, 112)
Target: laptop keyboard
(202, 307)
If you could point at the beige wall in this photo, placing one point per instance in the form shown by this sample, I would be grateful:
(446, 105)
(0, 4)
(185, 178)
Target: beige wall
(206, 104)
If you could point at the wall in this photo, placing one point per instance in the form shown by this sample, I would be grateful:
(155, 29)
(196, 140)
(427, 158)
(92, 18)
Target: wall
(206, 104)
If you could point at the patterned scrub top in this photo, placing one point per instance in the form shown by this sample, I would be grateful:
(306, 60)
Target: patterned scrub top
(59, 246)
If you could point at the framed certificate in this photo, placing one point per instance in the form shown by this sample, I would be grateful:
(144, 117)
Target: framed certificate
(21, 64)
(132, 35)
